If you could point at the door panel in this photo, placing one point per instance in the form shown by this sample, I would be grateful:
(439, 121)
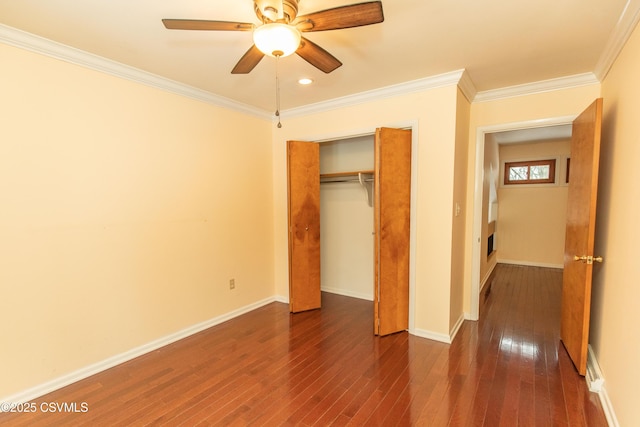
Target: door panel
(303, 173)
(580, 233)
(392, 213)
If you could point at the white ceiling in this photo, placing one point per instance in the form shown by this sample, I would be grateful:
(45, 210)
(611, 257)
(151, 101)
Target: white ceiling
(500, 43)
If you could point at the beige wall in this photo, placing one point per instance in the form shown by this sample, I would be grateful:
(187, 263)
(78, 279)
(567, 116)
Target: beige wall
(432, 114)
(458, 237)
(616, 292)
(125, 212)
(532, 218)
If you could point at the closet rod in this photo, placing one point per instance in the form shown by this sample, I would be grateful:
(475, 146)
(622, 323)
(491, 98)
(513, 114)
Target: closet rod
(359, 177)
(352, 176)
(326, 181)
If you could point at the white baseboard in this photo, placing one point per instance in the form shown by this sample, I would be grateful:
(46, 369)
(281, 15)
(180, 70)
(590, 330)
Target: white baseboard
(607, 407)
(456, 327)
(82, 373)
(422, 333)
(486, 277)
(347, 293)
(282, 299)
(530, 263)
(595, 381)
(435, 336)
(594, 378)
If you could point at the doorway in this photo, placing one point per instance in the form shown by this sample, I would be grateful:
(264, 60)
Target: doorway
(528, 130)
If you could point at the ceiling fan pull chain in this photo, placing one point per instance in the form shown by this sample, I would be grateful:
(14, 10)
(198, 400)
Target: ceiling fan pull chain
(278, 92)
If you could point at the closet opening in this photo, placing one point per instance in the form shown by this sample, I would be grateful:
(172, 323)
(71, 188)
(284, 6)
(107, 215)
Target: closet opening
(364, 240)
(346, 217)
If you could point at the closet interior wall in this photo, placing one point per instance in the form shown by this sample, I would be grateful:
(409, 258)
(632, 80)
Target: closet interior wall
(346, 219)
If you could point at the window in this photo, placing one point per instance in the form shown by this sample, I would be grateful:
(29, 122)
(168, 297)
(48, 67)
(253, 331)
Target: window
(530, 172)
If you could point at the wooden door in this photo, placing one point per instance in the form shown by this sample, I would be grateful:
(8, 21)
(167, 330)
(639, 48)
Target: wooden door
(392, 213)
(580, 232)
(303, 174)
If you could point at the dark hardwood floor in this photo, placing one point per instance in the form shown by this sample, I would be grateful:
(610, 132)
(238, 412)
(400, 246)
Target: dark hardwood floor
(325, 367)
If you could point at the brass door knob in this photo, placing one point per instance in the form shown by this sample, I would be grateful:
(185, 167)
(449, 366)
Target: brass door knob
(589, 259)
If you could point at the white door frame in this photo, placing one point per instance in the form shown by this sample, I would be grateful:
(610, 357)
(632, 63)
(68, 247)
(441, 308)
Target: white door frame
(481, 134)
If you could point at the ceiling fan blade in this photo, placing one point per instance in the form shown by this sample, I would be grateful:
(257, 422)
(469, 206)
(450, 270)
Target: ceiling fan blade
(196, 24)
(317, 56)
(248, 61)
(355, 15)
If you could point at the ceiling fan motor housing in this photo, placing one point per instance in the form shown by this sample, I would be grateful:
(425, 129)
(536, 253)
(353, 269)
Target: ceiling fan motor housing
(276, 10)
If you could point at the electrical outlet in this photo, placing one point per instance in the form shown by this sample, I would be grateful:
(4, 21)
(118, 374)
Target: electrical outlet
(232, 284)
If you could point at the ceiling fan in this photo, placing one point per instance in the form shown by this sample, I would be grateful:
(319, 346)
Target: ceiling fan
(279, 33)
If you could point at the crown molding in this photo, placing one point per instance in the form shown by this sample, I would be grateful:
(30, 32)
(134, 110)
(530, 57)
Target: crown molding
(467, 86)
(537, 87)
(40, 45)
(626, 24)
(629, 19)
(420, 85)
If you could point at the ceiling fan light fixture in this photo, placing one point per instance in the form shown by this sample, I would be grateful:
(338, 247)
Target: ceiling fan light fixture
(277, 39)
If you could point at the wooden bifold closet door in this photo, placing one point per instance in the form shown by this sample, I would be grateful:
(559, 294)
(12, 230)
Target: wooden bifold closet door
(303, 174)
(392, 217)
(392, 197)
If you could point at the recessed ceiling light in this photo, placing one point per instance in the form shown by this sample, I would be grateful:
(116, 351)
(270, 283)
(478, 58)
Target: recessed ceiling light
(305, 81)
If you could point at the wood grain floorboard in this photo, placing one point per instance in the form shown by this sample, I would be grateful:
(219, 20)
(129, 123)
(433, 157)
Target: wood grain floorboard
(326, 368)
